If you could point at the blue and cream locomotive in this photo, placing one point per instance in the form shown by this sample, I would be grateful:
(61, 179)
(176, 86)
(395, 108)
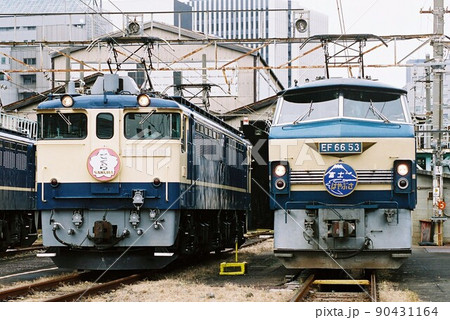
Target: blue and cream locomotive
(343, 180)
(17, 188)
(134, 181)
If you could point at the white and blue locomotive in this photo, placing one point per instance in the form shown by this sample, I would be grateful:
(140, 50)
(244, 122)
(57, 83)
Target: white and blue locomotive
(132, 181)
(343, 180)
(18, 216)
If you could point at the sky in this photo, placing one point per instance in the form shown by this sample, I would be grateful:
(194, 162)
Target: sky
(379, 17)
(382, 18)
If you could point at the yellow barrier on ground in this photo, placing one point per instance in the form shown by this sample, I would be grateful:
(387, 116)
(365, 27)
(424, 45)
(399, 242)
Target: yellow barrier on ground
(233, 268)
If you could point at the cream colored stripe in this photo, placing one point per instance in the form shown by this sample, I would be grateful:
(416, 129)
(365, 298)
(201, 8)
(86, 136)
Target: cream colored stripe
(16, 189)
(219, 186)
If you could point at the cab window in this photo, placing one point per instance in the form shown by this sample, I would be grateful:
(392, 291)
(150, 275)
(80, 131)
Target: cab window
(151, 125)
(62, 126)
(105, 126)
(300, 107)
(373, 105)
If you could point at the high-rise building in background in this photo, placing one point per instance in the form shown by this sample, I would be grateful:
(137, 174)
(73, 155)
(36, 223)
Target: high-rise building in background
(54, 20)
(264, 19)
(417, 78)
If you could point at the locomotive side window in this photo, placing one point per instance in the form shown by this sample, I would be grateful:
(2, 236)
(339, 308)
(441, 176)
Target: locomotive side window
(309, 106)
(184, 134)
(152, 125)
(62, 126)
(105, 126)
(373, 105)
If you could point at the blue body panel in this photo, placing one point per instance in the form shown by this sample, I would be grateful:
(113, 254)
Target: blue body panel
(107, 101)
(358, 199)
(115, 196)
(342, 128)
(360, 84)
(17, 171)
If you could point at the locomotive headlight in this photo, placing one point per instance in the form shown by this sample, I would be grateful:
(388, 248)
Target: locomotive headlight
(67, 101)
(143, 100)
(402, 169)
(280, 170)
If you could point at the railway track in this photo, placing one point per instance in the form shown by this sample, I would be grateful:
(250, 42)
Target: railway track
(320, 289)
(97, 288)
(91, 287)
(72, 279)
(13, 252)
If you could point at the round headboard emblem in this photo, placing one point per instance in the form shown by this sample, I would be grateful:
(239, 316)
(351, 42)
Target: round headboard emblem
(103, 164)
(340, 179)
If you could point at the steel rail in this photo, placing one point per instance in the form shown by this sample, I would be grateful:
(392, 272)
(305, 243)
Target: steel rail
(304, 289)
(373, 287)
(99, 288)
(302, 293)
(39, 286)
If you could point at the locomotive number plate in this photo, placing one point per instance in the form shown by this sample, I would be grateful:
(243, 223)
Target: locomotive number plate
(340, 147)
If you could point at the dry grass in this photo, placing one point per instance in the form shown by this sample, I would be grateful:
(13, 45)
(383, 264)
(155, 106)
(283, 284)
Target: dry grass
(389, 292)
(191, 285)
(176, 290)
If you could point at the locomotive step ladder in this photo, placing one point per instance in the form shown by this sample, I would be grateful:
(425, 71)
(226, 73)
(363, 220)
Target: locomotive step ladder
(233, 268)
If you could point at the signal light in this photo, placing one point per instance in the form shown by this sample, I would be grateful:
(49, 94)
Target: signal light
(156, 182)
(403, 183)
(279, 171)
(403, 176)
(54, 182)
(280, 184)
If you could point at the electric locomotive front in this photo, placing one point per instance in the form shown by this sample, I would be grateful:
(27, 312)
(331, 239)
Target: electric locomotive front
(124, 181)
(343, 184)
(108, 175)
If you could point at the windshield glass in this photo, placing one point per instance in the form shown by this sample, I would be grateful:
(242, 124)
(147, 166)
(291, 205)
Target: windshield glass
(62, 126)
(297, 107)
(373, 105)
(309, 106)
(150, 125)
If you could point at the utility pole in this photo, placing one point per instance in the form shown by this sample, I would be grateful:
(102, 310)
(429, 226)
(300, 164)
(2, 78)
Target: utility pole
(437, 78)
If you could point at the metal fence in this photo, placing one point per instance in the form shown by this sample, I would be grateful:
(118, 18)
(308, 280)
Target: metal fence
(20, 125)
(424, 137)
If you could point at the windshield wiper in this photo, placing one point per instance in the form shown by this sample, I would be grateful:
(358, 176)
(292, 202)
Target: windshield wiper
(146, 117)
(305, 115)
(66, 120)
(376, 112)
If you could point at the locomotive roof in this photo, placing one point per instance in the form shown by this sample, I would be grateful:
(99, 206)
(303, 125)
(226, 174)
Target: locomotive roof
(343, 82)
(123, 101)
